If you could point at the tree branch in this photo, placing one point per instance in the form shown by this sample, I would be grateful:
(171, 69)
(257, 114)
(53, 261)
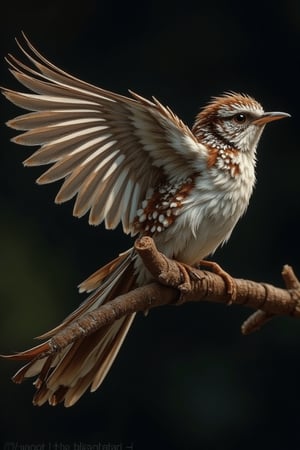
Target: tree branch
(177, 283)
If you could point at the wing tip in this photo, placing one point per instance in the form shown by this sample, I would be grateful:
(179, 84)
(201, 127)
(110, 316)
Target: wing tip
(40, 180)
(15, 139)
(11, 124)
(31, 162)
(7, 93)
(59, 198)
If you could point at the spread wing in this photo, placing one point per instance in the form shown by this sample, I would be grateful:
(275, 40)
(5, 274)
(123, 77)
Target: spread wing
(108, 149)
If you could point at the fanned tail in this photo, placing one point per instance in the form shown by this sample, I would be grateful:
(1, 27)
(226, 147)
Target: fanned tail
(65, 376)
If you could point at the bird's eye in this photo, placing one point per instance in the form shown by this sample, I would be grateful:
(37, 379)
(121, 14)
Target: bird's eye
(240, 118)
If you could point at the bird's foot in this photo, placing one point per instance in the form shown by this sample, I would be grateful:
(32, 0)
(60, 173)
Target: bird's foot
(186, 276)
(228, 280)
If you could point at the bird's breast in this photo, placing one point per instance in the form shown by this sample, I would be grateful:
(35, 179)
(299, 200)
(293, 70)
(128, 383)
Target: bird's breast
(207, 216)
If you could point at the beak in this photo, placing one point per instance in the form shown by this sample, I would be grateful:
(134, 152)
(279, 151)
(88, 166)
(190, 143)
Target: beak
(270, 117)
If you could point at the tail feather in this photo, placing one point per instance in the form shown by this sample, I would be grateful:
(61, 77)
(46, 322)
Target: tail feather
(108, 357)
(103, 283)
(94, 280)
(65, 376)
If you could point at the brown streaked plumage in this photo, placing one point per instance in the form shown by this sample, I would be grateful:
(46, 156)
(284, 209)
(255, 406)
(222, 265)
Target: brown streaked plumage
(162, 206)
(133, 161)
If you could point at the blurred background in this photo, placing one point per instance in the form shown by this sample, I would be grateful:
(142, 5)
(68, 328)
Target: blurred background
(185, 378)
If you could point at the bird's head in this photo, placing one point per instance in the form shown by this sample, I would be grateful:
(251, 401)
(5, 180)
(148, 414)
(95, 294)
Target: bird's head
(233, 121)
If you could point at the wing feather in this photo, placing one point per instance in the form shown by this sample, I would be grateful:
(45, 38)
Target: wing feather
(116, 200)
(108, 149)
(37, 119)
(82, 174)
(53, 152)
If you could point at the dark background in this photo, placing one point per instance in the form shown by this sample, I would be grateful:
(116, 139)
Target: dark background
(185, 378)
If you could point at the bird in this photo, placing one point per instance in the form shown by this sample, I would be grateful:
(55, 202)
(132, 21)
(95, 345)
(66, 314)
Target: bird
(132, 161)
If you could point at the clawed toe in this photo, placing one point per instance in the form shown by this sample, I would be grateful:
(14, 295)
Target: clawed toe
(227, 278)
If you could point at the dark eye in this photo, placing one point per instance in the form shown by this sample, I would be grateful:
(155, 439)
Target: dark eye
(240, 118)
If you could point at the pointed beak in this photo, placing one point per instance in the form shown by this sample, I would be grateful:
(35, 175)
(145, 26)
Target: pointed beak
(270, 117)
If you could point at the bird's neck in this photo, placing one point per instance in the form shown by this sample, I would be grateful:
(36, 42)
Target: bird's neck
(222, 154)
(211, 138)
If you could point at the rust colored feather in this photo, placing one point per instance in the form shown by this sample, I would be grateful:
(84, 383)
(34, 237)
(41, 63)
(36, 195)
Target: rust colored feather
(30, 354)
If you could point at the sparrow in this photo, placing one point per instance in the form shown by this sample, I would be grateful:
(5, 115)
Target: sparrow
(129, 160)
